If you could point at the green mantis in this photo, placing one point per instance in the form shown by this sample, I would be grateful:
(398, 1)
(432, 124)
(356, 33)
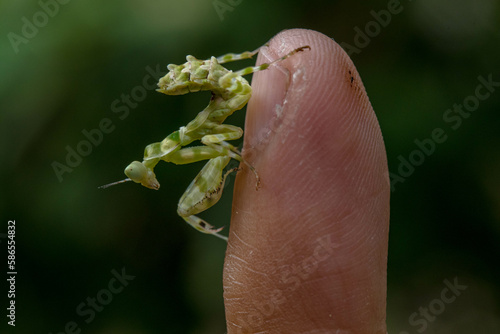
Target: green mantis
(230, 92)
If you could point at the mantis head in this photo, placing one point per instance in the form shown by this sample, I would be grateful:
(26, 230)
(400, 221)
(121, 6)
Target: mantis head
(138, 173)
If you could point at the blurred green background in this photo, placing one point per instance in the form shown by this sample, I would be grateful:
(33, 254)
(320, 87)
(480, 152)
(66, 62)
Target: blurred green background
(62, 77)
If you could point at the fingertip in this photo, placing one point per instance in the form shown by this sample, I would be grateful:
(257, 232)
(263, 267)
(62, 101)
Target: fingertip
(313, 137)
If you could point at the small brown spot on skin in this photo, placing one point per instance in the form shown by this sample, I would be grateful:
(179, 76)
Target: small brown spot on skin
(352, 78)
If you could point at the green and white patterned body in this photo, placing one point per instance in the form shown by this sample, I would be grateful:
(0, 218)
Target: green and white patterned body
(230, 92)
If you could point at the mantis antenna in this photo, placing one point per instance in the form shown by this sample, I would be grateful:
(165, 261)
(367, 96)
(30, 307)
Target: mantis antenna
(114, 183)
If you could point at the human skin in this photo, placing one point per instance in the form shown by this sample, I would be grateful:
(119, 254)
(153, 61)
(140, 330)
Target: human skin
(307, 251)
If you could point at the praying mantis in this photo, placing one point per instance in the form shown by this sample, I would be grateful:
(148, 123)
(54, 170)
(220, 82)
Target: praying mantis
(230, 92)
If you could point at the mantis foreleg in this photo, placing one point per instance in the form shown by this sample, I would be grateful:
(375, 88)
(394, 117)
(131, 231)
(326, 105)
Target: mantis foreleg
(218, 141)
(204, 192)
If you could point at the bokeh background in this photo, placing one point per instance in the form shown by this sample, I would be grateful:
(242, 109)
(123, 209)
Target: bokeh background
(64, 77)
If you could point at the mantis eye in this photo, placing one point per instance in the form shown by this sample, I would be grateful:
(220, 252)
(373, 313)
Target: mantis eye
(136, 171)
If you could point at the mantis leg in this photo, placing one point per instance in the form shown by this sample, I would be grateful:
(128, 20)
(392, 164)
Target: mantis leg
(198, 153)
(204, 227)
(203, 193)
(227, 79)
(229, 57)
(264, 66)
(222, 133)
(218, 141)
(192, 154)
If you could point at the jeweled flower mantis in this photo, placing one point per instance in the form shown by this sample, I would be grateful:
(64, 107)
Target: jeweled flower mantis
(230, 92)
